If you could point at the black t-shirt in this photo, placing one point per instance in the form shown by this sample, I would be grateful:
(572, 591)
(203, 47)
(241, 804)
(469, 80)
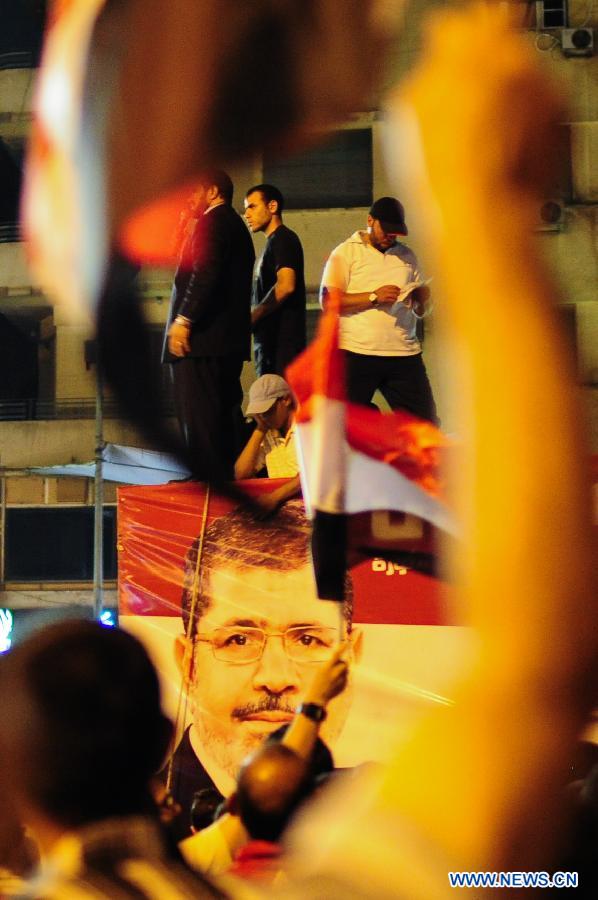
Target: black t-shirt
(280, 336)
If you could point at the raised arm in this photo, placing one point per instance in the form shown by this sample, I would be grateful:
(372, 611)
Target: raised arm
(485, 117)
(247, 461)
(479, 786)
(327, 683)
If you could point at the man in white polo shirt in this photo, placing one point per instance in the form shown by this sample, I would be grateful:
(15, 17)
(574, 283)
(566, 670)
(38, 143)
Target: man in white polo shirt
(378, 320)
(272, 443)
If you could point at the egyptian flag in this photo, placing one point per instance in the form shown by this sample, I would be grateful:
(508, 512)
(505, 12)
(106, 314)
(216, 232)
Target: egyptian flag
(371, 481)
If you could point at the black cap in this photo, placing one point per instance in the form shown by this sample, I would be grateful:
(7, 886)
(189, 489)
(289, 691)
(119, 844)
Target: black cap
(390, 214)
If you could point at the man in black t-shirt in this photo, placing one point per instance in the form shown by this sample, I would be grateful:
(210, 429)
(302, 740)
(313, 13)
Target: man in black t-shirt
(278, 300)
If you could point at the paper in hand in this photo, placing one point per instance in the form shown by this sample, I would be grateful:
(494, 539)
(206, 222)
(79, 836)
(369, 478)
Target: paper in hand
(407, 291)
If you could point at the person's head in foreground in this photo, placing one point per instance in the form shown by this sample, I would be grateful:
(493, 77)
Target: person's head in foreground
(271, 403)
(202, 812)
(273, 782)
(321, 761)
(386, 221)
(82, 730)
(256, 635)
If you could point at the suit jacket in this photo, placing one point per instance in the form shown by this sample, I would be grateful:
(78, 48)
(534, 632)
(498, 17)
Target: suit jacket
(188, 777)
(216, 294)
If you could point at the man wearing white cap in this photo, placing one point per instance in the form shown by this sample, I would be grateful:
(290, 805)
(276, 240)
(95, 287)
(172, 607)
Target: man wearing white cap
(272, 444)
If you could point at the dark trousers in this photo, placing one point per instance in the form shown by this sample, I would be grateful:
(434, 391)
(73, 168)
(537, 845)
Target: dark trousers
(402, 381)
(208, 395)
(272, 357)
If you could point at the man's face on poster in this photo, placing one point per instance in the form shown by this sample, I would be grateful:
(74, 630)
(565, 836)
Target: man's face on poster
(259, 643)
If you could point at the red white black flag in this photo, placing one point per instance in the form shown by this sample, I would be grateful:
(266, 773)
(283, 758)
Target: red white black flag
(355, 459)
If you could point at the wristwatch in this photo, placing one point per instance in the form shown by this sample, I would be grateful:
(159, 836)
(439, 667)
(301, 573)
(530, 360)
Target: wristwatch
(312, 711)
(373, 298)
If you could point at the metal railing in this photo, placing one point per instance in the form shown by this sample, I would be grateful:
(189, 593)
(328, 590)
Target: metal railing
(38, 410)
(19, 59)
(10, 233)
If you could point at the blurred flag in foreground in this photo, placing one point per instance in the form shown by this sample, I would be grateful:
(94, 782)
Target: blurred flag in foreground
(63, 212)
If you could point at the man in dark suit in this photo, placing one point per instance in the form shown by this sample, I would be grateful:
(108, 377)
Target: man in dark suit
(208, 331)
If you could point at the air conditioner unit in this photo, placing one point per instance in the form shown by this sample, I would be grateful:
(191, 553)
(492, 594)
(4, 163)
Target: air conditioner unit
(577, 41)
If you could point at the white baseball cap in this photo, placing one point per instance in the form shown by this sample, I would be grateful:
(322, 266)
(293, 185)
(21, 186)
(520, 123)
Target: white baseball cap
(264, 392)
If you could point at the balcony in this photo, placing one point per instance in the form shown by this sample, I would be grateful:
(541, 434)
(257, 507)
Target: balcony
(19, 59)
(10, 233)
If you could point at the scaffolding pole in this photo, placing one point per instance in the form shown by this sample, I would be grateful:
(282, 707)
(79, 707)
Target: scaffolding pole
(98, 519)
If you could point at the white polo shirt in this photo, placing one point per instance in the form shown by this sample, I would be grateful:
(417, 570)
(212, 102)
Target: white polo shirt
(355, 266)
(278, 454)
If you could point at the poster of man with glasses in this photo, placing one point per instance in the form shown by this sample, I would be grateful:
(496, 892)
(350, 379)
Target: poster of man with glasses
(257, 634)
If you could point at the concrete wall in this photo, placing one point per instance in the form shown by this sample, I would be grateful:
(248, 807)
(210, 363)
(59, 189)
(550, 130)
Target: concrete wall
(36, 598)
(14, 273)
(16, 91)
(49, 443)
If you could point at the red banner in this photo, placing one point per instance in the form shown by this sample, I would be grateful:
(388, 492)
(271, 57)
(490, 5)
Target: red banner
(156, 525)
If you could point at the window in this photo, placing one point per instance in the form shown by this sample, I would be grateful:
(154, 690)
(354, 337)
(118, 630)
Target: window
(11, 163)
(18, 357)
(56, 544)
(567, 313)
(21, 33)
(551, 14)
(337, 173)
